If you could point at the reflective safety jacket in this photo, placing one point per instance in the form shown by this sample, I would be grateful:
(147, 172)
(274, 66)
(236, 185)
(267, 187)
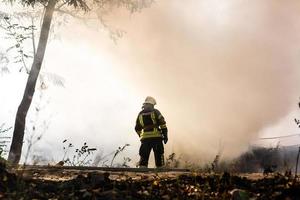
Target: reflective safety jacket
(151, 124)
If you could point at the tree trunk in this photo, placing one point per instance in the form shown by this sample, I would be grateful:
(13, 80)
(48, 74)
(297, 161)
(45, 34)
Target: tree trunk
(18, 135)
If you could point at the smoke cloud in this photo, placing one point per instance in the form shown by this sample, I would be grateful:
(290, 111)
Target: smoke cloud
(221, 71)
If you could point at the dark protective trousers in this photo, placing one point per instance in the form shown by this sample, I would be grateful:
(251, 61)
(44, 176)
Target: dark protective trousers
(145, 149)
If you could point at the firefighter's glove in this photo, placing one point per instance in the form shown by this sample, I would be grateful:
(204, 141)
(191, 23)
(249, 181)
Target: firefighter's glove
(165, 138)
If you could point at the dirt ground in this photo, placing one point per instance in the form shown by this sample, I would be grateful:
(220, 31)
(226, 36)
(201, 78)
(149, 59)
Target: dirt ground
(59, 183)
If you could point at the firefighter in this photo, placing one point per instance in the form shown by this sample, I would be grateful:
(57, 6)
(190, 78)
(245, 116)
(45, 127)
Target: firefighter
(152, 130)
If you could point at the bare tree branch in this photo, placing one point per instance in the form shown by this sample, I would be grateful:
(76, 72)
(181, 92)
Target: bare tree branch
(33, 37)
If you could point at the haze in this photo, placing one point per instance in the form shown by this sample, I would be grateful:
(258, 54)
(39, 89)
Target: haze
(223, 73)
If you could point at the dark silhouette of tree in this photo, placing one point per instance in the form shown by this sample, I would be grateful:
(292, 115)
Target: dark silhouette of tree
(75, 8)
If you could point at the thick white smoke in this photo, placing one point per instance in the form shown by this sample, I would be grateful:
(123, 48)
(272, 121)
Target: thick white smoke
(221, 71)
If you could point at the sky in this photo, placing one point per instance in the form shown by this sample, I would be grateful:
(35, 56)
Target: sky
(224, 73)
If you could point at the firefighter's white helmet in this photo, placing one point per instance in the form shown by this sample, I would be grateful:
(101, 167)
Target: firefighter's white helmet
(150, 100)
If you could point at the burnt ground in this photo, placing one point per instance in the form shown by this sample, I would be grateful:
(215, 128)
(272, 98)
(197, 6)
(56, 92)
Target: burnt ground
(60, 183)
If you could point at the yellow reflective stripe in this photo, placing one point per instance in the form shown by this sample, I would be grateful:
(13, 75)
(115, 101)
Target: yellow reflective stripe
(163, 126)
(153, 118)
(141, 120)
(150, 134)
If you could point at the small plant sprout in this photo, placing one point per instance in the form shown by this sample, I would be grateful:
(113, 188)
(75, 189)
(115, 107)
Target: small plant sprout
(81, 156)
(117, 152)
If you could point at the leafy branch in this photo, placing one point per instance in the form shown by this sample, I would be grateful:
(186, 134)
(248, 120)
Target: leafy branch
(19, 34)
(4, 140)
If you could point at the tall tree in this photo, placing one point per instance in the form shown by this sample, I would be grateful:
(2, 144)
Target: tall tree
(51, 6)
